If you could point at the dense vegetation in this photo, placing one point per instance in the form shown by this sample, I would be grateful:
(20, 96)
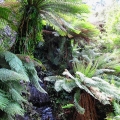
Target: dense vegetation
(78, 60)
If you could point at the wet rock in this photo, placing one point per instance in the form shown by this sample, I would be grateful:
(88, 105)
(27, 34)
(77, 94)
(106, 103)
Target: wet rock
(37, 98)
(46, 113)
(7, 37)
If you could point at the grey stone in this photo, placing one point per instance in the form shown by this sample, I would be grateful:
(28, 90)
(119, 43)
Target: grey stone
(7, 37)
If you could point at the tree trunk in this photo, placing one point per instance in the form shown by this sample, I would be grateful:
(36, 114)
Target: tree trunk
(27, 31)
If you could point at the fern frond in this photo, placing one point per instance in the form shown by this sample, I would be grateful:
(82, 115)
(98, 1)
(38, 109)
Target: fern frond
(80, 82)
(3, 101)
(9, 75)
(116, 108)
(13, 109)
(76, 103)
(50, 19)
(88, 70)
(17, 86)
(35, 82)
(16, 96)
(110, 90)
(4, 17)
(12, 59)
(62, 83)
(68, 7)
(53, 78)
(98, 88)
(58, 85)
(60, 9)
(68, 106)
(101, 71)
(28, 63)
(69, 85)
(14, 63)
(107, 61)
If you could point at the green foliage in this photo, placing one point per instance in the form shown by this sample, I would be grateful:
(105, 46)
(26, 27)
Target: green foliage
(4, 16)
(80, 25)
(117, 68)
(6, 75)
(69, 8)
(89, 71)
(112, 22)
(7, 11)
(3, 100)
(76, 103)
(13, 109)
(13, 74)
(87, 77)
(37, 14)
(116, 108)
(67, 106)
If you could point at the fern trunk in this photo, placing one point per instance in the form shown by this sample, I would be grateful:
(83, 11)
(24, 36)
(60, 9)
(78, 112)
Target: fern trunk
(87, 102)
(27, 31)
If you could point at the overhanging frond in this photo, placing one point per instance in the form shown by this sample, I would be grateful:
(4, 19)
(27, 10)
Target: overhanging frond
(9, 75)
(76, 102)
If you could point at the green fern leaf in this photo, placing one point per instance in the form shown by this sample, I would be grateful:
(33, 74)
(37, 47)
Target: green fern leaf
(9, 75)
(35, 82)
(68, 106)
(13, 109)
(3, 101)
(17, 86)
(16, 96)
(32, 73)
(116, 108)
(58, 85)
(14, 63)
(76, 102)
(53, 78)
(69, 85)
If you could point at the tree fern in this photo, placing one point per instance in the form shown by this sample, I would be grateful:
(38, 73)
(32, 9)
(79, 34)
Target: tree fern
(51, 11)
